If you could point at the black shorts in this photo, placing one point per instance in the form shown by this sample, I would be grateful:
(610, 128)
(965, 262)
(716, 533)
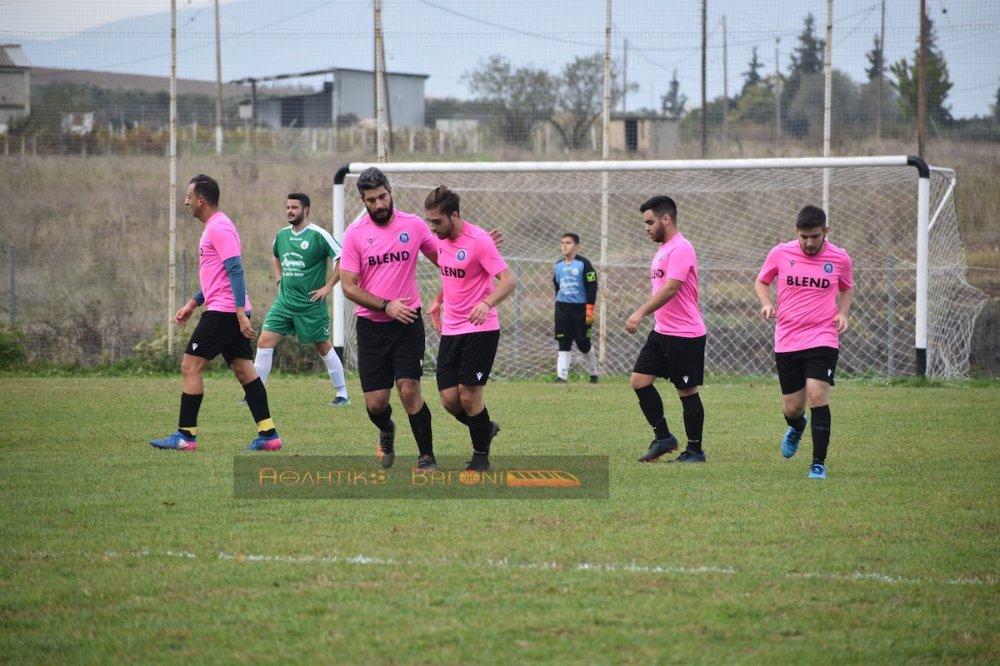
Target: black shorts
(466, 359)
(681, 360)
(571, 323)
(795, 367)
(389, 350)
(219, 333)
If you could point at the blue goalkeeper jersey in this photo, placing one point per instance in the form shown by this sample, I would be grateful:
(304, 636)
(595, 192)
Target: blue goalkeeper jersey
(576, 281)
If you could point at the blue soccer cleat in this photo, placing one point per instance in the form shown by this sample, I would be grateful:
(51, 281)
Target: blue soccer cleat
(817, 471)
(790, 442)
(176, 441)
(265, 443)
(340, 401)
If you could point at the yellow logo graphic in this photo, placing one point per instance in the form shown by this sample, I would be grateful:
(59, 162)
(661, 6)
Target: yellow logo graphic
(539, 478)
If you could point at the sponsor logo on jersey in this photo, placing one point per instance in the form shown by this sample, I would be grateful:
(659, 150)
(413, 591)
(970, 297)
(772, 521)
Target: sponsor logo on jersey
(388, 258)
(448, 271)
(817, 283)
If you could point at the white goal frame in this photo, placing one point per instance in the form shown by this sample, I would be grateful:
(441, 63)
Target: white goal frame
(923, 223)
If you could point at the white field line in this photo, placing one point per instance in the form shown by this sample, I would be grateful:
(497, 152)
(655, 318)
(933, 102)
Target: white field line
(588, 567)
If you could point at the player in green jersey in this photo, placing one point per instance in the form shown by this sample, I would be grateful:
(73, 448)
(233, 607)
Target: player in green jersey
(299, 263)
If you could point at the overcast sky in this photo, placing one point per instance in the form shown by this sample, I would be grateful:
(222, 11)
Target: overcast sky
(446, 38)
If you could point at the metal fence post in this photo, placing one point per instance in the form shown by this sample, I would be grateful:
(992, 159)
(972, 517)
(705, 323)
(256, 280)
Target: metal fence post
(11, 284)
(890, 334)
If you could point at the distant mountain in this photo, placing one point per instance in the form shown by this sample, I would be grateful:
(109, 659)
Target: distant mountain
(260, 38)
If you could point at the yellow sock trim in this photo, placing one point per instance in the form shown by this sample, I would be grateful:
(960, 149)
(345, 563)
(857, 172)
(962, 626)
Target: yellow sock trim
(193, 431)
(266, 424)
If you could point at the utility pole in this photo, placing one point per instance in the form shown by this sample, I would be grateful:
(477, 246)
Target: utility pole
(777, 87)
(379, 69)
(881, 77)
(218, 84)
(704, 68)
(625, 79)
(725, 85)
(172, 205)
(922, 83)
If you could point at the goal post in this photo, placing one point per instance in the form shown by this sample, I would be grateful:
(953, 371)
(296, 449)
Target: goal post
(909, 294)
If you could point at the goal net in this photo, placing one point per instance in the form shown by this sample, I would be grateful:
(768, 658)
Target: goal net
(733, 213)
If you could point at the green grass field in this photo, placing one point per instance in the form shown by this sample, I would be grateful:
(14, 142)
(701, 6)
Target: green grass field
(114, 552)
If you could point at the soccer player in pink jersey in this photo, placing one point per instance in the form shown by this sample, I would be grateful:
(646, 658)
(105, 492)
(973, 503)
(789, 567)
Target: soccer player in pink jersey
(378, 270)
(675, 348)
(815, 286)
(224, 328)
(469, 263)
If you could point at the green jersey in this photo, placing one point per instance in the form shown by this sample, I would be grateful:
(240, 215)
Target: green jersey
(303, 258)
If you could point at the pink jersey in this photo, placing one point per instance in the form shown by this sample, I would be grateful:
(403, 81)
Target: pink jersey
(385, 258)
(807, 294)
(219, 241)
(680, 316)
(468, 265)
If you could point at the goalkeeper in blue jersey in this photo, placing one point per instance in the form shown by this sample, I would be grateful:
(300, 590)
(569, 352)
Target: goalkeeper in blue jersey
(575, 281)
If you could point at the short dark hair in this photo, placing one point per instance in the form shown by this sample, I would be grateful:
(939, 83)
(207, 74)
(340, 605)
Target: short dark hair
(810, 217)
(207, 188)
(661, 205)
(301, 198)
(372, 178)
(571, 236)
(443, 199)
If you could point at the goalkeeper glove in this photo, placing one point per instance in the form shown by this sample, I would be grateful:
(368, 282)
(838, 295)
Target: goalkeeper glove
(590, 314)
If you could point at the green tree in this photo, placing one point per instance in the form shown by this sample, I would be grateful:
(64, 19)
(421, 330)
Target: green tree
(937, 83)
(755, 105)
(996, 107)
(672, 104)
(522, 96)
(807, 60)
(580, 98)
(876, 61)
(752, 77)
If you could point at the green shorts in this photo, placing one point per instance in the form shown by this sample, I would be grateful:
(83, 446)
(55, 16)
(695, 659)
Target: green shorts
(309, 325)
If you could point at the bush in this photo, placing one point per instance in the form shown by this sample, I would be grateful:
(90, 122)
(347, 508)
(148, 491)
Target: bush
(12, 349)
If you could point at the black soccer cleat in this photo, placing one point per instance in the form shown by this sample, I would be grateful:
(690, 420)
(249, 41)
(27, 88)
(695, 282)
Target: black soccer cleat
(689, 456)
(659, 447)
(480, 463)
(427, 462)
(386, 452)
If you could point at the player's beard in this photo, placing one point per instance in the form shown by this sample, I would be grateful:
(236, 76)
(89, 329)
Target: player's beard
(297, 220)
(381, 217)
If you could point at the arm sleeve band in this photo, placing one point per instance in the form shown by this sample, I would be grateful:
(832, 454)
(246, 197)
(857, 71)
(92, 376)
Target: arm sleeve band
(590, 281)
(234, 267)
(199, 298)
